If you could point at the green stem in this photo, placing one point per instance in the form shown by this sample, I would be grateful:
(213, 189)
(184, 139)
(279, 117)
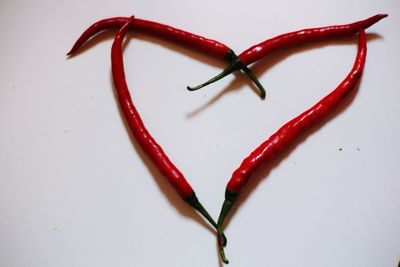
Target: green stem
(222, 254)
(231, 68)
(235, 65)
(255, 81)
(195, 203)
(230, 198)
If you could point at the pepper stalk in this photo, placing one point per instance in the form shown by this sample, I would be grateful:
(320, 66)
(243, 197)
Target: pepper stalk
(235, 65)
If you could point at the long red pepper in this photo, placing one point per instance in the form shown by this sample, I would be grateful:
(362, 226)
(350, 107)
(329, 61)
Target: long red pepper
(146, 141)
(188, 39)
(200, 43)
(290, 133)
(288, 40)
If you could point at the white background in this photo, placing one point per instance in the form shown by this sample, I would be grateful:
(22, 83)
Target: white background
(76, 190)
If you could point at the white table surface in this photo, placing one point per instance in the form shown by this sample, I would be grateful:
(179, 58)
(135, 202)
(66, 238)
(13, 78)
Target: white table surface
(76, 190)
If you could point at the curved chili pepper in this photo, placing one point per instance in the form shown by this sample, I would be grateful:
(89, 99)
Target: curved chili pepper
(288, 40)
(146, 141)
(208, 46)
(290, 133)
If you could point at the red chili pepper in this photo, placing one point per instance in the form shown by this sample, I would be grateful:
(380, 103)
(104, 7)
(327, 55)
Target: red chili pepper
(289, 40)
(208, 46)
(290, 133)
(160, 30)
(146, 141)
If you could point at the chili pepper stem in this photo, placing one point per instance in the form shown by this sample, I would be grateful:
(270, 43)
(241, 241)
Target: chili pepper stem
(231, 68)
(235, 65)
(255, 81)
(223, 257)
(195, 203)
(230, 198)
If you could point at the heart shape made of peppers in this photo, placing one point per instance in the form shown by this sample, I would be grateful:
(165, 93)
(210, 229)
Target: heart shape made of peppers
(278, 142)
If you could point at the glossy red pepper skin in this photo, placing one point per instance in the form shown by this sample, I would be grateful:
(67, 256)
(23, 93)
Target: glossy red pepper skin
(146, 141)
(175, 35)
(294, 128)
(202, 44)
(288, 40)
(304, 36)
(290, 133)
